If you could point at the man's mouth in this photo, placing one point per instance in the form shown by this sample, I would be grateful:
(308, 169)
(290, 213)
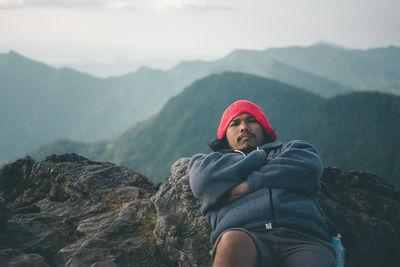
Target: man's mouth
(245, 136)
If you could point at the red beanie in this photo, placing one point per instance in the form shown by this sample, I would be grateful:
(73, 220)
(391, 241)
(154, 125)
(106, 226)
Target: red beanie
(240, 107)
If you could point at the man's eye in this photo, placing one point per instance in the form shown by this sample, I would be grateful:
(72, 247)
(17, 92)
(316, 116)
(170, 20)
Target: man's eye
(233, 124)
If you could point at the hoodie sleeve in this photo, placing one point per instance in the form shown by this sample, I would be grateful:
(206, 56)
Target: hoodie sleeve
(211, 176)
(298, 167)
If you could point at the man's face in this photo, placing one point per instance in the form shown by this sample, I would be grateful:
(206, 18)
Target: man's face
(244, 131)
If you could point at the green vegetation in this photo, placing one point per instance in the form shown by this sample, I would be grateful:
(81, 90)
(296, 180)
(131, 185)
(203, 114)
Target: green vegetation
(151, 256)
(355, 131)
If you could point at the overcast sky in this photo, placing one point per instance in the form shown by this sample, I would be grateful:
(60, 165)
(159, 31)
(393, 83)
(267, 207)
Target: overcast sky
(57, 31)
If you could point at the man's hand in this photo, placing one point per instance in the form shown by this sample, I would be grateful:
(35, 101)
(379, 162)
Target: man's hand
(238, 191)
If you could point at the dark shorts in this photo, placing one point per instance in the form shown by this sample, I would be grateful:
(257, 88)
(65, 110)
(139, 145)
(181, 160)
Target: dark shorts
(285, 247)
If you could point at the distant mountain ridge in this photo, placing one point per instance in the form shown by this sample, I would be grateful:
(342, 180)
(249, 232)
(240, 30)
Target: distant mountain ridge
(39, 103)
(255, 62)
(376, 69)
(355, 131)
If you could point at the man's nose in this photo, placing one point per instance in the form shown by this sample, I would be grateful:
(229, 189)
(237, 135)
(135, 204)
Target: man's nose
(244, 127)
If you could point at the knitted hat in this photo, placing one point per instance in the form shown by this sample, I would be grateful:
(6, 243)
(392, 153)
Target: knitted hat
(240, 107)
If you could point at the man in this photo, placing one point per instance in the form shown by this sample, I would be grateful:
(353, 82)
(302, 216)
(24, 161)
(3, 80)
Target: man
(258, 195)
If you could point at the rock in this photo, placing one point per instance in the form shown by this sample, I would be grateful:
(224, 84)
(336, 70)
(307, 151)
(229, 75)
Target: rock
(3, 211)
(75, 212)
(366, 210)
(70, 211)
(181, 232)
(14, 257)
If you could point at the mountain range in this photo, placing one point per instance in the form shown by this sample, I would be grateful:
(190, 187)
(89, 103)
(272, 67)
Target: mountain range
(39, 103)
(353, 131)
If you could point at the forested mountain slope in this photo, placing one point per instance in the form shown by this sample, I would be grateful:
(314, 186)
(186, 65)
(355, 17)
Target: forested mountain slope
(355, 131)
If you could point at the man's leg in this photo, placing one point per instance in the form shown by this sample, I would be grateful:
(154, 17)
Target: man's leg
(298, 249)
(235, 248)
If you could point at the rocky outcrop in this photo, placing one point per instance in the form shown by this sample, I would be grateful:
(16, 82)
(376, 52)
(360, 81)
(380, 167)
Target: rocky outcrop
(70, 211)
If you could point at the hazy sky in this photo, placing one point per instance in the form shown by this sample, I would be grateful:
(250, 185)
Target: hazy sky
(56, 31)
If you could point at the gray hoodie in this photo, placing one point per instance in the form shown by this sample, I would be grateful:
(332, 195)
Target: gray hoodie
(282, 182)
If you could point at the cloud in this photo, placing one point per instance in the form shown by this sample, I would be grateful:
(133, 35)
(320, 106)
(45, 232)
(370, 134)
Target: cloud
(73, 4)
(194, 5)
(118, 5)
(10, 3)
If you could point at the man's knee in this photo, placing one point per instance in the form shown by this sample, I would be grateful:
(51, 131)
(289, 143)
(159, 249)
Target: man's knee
(234, 236)
(235, 239)
(236, 248)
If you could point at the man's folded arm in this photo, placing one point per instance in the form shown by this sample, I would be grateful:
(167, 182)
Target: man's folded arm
(298, 167)
(211, 176)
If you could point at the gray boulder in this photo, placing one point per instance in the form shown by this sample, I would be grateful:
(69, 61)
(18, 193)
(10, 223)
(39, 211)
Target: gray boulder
(182, 233)
(75, 212)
